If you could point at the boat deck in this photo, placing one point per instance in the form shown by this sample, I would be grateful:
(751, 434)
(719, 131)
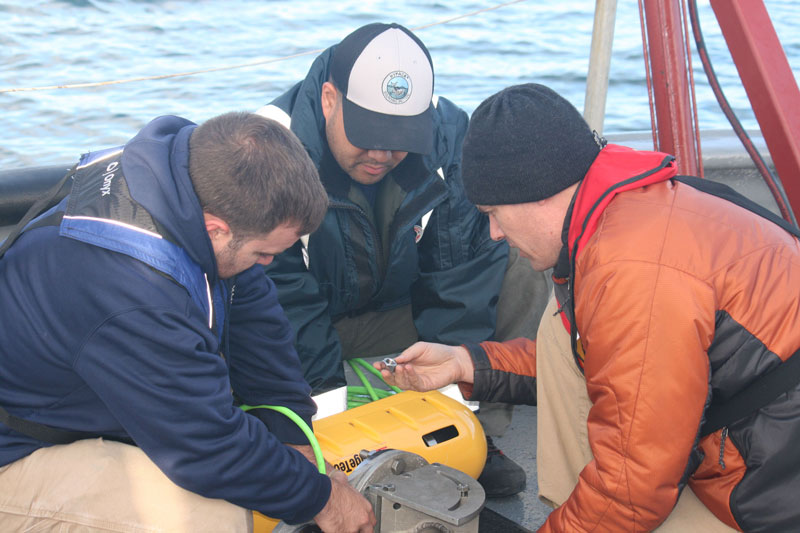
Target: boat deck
(519, 443)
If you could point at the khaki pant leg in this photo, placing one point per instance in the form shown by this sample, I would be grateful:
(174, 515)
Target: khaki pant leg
(97, 485)
(562, 449)
(690, 516)
(562, 411)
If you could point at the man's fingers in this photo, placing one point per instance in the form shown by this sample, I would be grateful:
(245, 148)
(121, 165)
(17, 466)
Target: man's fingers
(406, 378)
(412, 352)
(388, 377)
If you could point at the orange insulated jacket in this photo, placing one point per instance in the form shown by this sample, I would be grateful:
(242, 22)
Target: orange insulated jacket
(680, 298)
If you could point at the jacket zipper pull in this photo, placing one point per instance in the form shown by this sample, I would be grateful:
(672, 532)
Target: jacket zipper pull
(561, 307)
(722, 447)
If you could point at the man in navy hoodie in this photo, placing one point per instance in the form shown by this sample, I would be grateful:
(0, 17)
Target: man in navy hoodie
(135, 312)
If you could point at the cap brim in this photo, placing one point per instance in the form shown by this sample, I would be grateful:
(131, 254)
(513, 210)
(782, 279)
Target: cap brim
(370, 130)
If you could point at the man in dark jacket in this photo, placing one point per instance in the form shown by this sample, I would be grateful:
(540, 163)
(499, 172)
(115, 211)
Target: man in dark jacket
(401, 254)
(136, 310)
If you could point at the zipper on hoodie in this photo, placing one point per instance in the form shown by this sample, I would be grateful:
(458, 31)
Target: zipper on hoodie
(224, 340)
(723, 437)
(375, 235)
(393, 230)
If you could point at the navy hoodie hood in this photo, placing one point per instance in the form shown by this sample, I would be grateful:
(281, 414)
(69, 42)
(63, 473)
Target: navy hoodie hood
(170, 199)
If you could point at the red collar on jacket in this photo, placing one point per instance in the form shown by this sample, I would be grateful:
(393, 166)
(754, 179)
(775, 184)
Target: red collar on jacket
(616, 169)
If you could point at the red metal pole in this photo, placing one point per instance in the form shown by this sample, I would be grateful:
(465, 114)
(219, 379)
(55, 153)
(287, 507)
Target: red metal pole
(769, 83)
(667, 48)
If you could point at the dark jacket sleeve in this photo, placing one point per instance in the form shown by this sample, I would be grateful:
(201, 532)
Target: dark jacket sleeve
(316, 340)
(264, 366)
(504, 372)
(156, 368)
(461, 267)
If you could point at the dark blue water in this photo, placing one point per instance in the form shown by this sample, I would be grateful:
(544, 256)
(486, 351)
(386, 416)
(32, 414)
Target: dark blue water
(51, 42)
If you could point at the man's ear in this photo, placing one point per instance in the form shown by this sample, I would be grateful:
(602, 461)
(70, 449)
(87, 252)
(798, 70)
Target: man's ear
(218, 230)
(328, 99)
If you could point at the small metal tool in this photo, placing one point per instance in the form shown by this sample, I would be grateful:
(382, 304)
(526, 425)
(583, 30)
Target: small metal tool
(390, 363)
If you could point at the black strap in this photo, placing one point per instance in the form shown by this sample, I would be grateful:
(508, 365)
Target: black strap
(758, 394)
(780, 379)
(721, 190)
(46, 433)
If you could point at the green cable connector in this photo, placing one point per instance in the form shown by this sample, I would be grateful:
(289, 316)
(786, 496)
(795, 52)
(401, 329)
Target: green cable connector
(303, 426)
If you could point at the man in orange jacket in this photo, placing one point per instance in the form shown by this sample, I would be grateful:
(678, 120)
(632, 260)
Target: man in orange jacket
(678, 298)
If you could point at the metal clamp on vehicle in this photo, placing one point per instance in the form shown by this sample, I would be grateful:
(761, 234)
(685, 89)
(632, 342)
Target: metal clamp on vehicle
(410, 495)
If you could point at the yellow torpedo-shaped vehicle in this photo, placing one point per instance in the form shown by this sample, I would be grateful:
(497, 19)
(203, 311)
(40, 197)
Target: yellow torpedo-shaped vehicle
(437, 428)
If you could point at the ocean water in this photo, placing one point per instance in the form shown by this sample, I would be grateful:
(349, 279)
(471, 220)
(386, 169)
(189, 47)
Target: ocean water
(58, 42)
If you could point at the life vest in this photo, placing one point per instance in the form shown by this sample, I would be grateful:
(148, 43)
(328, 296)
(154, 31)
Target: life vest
(101, 211)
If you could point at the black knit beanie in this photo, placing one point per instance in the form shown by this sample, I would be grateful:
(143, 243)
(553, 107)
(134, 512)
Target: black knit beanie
(524, 144)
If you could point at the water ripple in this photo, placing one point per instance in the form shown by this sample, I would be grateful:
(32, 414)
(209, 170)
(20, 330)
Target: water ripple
(49, 42)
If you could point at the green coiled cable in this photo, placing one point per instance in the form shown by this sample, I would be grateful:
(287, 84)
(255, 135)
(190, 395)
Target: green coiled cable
(357, 396)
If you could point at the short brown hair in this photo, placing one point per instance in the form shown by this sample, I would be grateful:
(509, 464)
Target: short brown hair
(255, 174)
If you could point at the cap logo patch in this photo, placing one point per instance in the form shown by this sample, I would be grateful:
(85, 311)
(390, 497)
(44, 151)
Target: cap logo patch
(397, 87)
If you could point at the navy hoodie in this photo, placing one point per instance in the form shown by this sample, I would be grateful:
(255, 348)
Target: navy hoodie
(100, 333)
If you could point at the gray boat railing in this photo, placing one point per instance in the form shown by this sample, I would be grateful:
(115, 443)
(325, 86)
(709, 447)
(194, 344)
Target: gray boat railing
(20, 188)
(724, 160)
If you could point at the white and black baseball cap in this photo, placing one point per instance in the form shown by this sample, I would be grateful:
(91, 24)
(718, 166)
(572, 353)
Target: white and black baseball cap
(385, 75)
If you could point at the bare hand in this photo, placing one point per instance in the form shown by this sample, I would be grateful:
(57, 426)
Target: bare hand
(427, 366)
(338, 479)
(347, 511)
